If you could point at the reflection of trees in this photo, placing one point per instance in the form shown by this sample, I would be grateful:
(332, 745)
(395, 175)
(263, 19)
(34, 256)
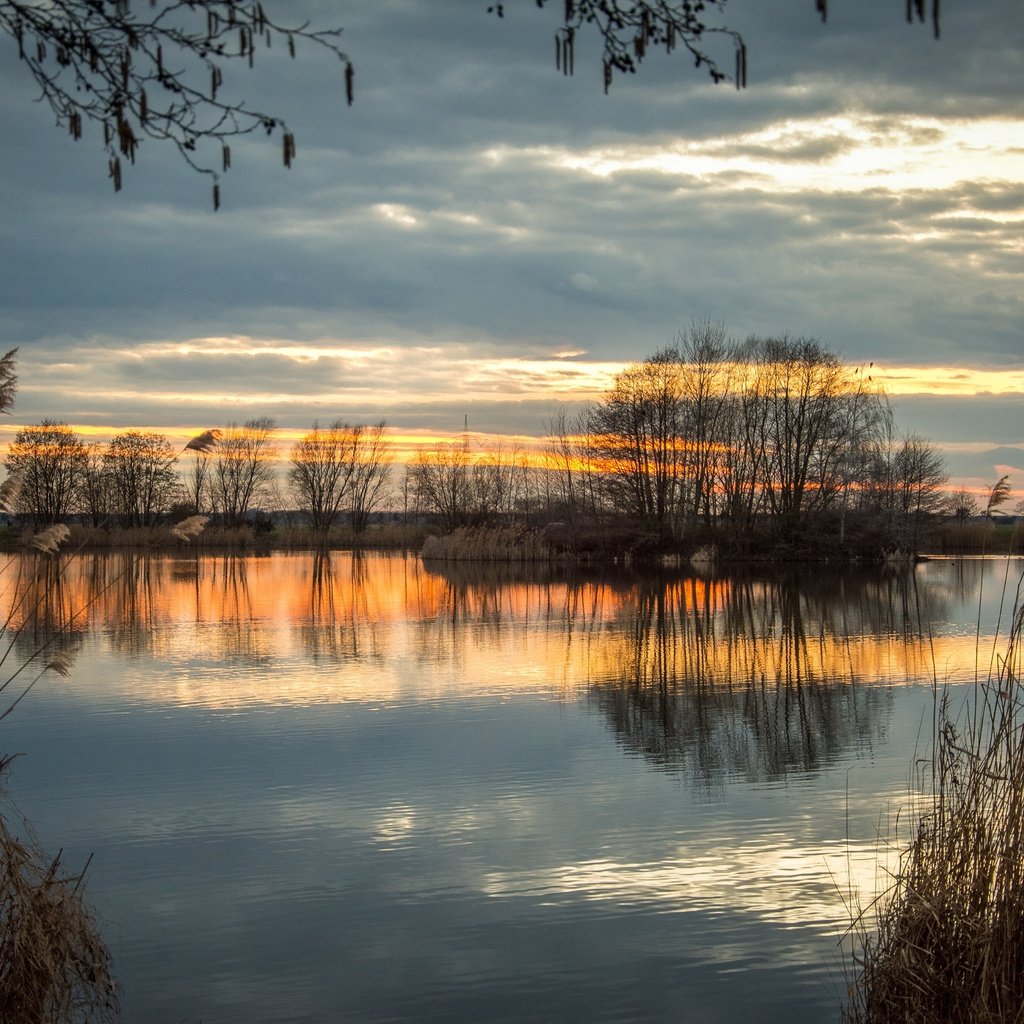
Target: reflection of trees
(759, 674)
(504, 608)
(341, 625)
(755, 678)
(41, 617)
(241, 633)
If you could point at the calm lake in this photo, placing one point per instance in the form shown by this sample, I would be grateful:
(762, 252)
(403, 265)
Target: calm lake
(370, 789)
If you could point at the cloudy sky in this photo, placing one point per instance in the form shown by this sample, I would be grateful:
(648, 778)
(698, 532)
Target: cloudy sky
(481, 236)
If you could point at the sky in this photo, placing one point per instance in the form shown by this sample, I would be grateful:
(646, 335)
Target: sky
(481, 239)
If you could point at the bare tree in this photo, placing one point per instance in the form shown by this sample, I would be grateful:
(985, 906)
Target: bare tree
(157, 73)
(440, 481)
(196, 482)
(962, 505)
(48, 461)
(243, 467)
(499, 484)
(801, 391)
(629, 29)
(321, 467)
(563, 460)
(706, 358)
(94, 489)
(371, 459)
(920, 475)
(635, 439)
(140, 471)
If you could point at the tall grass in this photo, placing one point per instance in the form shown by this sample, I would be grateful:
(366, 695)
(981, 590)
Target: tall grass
(949, 945)
(55, 967)
(489, 544)
(54, 964)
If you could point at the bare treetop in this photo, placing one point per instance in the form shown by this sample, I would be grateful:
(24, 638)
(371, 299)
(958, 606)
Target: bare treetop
(628, 29)
(155, 71)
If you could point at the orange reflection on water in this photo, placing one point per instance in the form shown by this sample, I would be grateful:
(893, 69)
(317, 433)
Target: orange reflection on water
(306, 628)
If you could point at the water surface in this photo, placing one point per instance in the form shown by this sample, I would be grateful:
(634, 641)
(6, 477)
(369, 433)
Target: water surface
(364, 789)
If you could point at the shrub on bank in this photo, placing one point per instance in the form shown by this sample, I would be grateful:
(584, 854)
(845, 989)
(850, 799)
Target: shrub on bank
(54, 964)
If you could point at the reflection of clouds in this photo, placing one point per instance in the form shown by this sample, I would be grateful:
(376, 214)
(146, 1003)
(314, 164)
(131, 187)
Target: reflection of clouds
(395, 825)
(779, 880)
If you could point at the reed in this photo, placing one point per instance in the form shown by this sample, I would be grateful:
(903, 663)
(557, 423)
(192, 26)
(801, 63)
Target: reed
(489, 544)
(54, 964)
(949, 943)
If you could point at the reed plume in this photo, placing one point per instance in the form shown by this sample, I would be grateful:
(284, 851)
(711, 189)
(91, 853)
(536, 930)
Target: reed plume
(189, 528)
(10, 490)
(204, 442)
(50, 540)
(61, 663)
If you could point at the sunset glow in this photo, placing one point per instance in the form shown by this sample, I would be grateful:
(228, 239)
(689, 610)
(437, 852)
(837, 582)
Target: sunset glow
(553, 637)
(848, 154)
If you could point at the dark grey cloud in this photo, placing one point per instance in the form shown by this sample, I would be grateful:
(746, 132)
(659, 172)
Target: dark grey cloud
(444, 208)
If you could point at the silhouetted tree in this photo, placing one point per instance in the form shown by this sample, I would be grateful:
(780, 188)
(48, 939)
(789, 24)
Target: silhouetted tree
(94, 487)
(962, 505)
(48, 461)
(371, 459)
(243, 468)
(440, 481)
(139, 469)
(321, 467)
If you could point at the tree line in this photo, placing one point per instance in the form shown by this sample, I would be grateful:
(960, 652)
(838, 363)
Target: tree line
(709, 439)
(768, 438)
(773, 437)
(772, 440)
(139, 478)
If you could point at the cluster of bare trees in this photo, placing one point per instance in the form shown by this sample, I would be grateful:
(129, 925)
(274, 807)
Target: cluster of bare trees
(139, 477)
(769, 435)
(463, 487)
(341, 469)
(131, 480)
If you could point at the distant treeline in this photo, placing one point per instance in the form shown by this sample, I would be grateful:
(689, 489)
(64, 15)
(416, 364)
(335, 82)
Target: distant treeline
(771, 441)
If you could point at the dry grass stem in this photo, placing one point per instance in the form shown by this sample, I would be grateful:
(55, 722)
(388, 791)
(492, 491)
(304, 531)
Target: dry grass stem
(950, 940)
(54, 966)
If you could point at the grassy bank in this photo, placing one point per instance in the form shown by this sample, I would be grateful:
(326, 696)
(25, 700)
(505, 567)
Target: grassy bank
(614, 540)
(224, 538)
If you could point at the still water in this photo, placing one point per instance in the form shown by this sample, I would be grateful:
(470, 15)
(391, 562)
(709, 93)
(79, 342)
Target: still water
(366, 789)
